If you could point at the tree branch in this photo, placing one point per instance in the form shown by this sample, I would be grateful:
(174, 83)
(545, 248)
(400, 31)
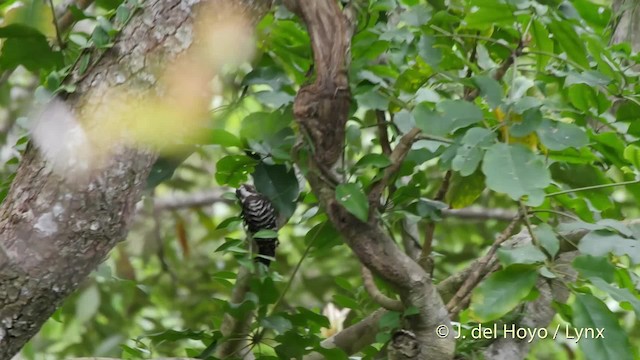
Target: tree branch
(354, 338)
(212, 196)
(53, 231)
(321, 110)
(538, 313)
(375, 293)
(192, 200)
(459, 300)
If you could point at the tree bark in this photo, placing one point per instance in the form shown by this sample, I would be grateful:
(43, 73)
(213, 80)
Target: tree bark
(53, 232)
(321, 110)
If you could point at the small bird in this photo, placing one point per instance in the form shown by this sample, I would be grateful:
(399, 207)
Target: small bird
(259, 214)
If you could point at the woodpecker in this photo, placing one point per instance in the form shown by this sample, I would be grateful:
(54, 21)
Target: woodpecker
(259, 214)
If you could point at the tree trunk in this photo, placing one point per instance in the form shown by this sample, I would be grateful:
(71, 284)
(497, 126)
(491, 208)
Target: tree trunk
(53, 232)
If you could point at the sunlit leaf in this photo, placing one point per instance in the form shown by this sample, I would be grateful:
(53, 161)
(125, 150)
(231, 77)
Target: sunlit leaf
(354, 200)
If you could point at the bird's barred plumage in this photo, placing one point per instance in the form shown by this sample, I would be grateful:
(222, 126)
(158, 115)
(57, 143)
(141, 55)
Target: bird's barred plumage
(259, 214)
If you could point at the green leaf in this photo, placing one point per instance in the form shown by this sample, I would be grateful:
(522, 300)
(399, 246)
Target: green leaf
(624, 296)
(87, 304)
(224, 138)
(27, 47)
(371, 98)
(324, 236)
(632, 154)
(483, 14)
(515, 170)
(354, 200)
(601, 243)
(570, 42)
(590, 77)
(470, 153)
(228, 244)
(465, 190)
(583, 97)
(34, 14)
(390, 320)
(101, 38)
(280, 185)
(460, 113)
(547, 238)
(233, 170)
(594, 266)
(428, 51)
(501, 292)
(525, 254)
(373, 160)
(260, 126)
(229, 222)
(531, 120)
(628, 111)
(490, 89)
(416, 15)
(541, 42)
(451, 115)
(277, 323)
(591, 313)
(430, 121)
(266, 234)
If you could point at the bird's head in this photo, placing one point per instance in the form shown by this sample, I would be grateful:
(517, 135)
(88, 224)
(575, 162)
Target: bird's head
(244, 191)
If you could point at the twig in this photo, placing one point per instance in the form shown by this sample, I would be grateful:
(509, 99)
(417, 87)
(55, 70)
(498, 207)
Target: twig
(502, 70)
(480, 213)
(157, 234)
(527, 223)
(193, 200)
(455, 304)
(383, 134)
(66, 19)
(55, 24)
(397, 156)
(435, 138)
(375, 293)
(431, 226)
(593, 187)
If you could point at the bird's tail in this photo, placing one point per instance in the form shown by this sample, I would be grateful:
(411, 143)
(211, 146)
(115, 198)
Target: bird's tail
(266, 247)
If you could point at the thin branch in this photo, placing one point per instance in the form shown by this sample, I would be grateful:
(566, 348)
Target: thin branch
(502, 70)
(455, 304)
(480, 214)
(383, 133)
(157, 234)
(55, 24)
(375, 293)
(397, 156)
(431, 226)
(354, 338)
(435, 138)
(193, 200)
(593, 187)
(527, 223)
(209, 197)
(66, 19)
